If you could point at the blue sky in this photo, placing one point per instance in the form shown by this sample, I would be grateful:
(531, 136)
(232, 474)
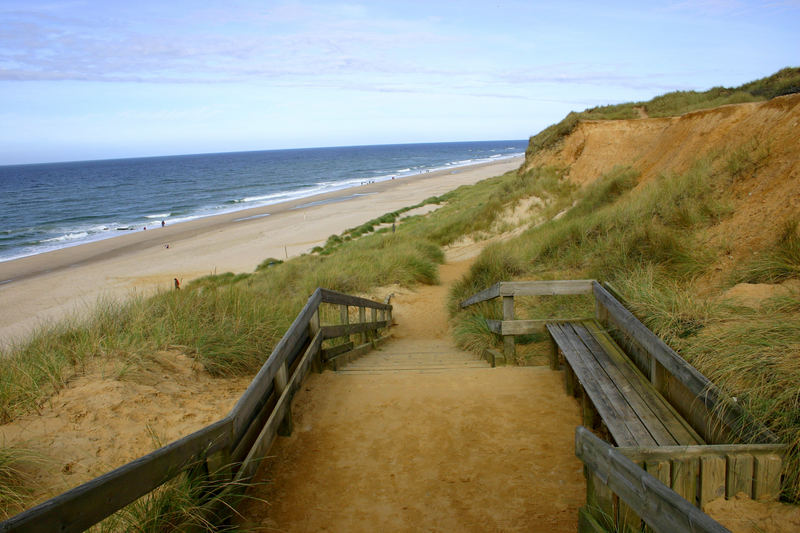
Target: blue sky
(92, 80)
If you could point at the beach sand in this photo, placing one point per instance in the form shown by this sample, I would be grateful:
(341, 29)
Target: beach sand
(40, 289)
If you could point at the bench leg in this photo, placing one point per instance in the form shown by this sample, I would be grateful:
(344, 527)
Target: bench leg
(589, 412)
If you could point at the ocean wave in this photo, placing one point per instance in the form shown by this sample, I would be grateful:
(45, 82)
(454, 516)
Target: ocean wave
(158, 216)
(403, 170)
(68, 237)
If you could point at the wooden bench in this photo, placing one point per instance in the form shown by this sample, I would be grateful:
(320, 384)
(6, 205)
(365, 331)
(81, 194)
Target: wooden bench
(633, 411)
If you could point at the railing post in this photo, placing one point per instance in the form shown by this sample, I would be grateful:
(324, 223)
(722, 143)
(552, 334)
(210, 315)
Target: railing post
(509, 347)
(313, 329)
(280, 381)
(362, 318)
(344, 318)
(373, 333)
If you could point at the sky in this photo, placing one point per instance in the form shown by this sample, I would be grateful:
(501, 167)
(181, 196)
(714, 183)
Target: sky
(86, 80)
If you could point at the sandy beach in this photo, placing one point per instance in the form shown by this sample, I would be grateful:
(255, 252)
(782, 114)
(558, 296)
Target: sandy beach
(47, 287)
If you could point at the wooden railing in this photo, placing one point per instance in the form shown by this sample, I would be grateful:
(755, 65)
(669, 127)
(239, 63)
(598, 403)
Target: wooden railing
(660, 507)
(234, 445)
(508, 327)
(741, 455)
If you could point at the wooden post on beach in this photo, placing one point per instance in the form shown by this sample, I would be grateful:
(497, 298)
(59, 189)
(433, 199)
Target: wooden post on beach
(509, 347)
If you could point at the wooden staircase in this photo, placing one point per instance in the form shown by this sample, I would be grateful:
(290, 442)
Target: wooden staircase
(423, 356)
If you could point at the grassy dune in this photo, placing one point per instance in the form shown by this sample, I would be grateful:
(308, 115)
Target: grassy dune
(785, 81)
(651, 241)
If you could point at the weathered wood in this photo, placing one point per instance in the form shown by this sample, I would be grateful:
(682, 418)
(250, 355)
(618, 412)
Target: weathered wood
(659, 506)
(546, 288)
(362, 318)
(279, 384)
(553, 355)
(486, 294)
(333, 297)
(712, 479)
(739, 475)
(314, 325)
(492, 356)
(588, 411)
(612, 407)
(331, 332)
(659, 470)
(495, 326)
(509, 346)
(667, 452)
(333, 351)
(253, 398)
(374, 317)
(82, 507)
(526, 327)
(731, 414)
(656, 413)
(338, 362)
(270, 429)
(767, 470)
(684, 473)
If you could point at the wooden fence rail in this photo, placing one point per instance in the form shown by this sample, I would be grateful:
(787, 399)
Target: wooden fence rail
(238, 442)
(660, 507)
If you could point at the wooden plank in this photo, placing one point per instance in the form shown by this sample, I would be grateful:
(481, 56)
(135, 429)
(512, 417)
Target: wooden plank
(330, 353)
(495, 326)
(526, 327)
(657, 414)
(667, 452)
(684, 473)
(334, 297)
(509, 346)
(659, 506)
(482, 296)
(270, 429)
(615, 412)
(659, 470)
(253, 398)
(279, 384)
(546, 288)
(85, 505)
(635, 389)
(340, 330)
(739, 475)
(767, 470)
(732, 415)
(712, 479)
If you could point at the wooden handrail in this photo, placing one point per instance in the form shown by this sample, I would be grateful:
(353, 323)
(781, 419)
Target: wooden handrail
(663, 509)
(557, 287)
(88, 504)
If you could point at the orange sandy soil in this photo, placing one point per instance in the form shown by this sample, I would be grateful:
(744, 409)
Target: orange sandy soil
(475, 449)
(761, 199)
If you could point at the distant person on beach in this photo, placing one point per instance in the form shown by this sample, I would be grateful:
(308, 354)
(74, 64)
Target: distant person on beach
(177, 284)
(163, 224)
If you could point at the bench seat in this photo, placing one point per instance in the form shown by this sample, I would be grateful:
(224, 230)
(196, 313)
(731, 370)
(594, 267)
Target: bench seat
(634, 412)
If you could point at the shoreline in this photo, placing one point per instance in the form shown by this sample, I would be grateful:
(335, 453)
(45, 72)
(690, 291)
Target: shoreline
(49, 286)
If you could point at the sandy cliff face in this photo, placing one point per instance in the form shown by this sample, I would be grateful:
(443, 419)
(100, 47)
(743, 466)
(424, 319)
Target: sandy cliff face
(765, 193)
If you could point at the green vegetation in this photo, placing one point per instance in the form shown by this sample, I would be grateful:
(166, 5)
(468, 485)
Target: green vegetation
(785, 81)
(14, 479)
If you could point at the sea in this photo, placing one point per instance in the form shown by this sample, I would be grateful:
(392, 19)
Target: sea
(45, 207)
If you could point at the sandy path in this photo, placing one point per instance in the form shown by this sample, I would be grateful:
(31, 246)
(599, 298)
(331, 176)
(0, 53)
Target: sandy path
(456, 449)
